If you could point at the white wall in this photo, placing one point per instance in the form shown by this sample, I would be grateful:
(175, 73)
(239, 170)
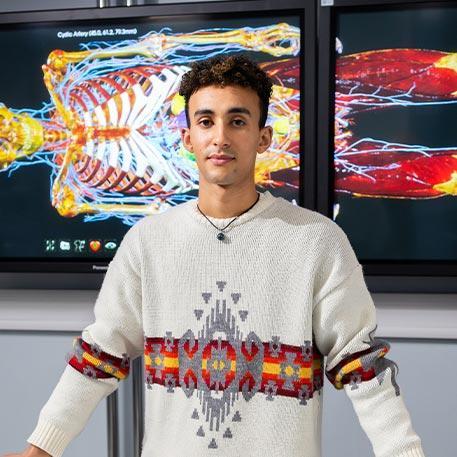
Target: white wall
(31, 365)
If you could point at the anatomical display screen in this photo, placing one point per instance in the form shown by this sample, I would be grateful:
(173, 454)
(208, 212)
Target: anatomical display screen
(90, 119)
(395, 147)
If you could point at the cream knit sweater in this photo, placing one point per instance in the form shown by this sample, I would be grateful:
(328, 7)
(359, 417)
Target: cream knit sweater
(233, 334)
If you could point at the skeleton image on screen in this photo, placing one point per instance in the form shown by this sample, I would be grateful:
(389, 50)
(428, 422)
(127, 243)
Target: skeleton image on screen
(110, 131)
(380, 80)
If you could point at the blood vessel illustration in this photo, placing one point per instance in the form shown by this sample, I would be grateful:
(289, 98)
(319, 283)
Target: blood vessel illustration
(381, 80)
(110, 131)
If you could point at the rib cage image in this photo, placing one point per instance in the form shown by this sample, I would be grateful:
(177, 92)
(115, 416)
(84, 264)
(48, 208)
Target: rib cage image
(110, 132)
(131, 154)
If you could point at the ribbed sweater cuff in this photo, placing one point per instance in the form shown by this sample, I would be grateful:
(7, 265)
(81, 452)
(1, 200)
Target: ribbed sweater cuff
(49, 438)
(413, 452)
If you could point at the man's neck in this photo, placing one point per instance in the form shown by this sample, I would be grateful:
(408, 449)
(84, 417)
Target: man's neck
(224, 203)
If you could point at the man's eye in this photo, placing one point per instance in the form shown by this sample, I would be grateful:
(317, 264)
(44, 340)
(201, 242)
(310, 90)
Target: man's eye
(205, 122)
(239, 122)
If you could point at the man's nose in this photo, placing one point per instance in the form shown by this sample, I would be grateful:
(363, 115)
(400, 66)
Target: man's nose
(221, 139)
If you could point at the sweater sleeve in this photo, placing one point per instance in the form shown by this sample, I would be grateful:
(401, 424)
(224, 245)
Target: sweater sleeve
(344, 323)
(101, 356)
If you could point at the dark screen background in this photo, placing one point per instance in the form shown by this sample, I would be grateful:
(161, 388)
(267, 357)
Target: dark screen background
(402, 229)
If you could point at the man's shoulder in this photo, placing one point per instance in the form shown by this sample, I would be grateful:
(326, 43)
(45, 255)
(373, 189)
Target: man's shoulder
(298, 214)
(310, 226)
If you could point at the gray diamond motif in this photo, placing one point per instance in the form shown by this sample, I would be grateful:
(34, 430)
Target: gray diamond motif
(169, 340)
(289, 371)
(79, 352)
(170, 382)
(355, 380)
(149, 380)
(157, 360)
(307, 351)
(275, 346)
(304, 394)
(317, 383)
(96, 350)
(90, 372)
(270, 389)
(219, 366)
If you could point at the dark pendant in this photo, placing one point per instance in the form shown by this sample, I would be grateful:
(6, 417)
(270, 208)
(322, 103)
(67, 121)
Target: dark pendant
(220, 236)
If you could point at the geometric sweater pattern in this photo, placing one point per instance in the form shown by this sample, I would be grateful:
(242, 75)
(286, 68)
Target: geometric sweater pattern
(236, 336)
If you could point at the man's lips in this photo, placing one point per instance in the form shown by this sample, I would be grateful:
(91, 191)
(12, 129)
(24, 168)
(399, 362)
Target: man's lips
(220, 159)
(220, 156)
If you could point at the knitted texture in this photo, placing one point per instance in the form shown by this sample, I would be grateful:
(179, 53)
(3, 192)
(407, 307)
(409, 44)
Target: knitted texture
(233, 333)
(90, 360)
(50, 438)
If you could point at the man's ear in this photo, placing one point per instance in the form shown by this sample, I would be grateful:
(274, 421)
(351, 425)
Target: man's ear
(185, 138)
(266, 136)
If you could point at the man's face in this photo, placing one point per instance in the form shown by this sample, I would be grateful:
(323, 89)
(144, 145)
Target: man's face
(224, 122)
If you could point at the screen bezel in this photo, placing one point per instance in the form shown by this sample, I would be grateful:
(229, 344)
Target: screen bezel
(382, 276)
(9, 269)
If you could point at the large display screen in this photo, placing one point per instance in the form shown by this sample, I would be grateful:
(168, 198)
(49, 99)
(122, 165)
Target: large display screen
(90, 118)
(395, 146)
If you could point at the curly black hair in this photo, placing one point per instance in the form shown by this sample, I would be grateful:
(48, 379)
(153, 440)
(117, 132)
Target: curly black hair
(233, 70)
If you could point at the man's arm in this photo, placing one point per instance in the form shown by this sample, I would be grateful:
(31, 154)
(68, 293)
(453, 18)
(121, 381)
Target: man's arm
(101, 356)
(344, 323)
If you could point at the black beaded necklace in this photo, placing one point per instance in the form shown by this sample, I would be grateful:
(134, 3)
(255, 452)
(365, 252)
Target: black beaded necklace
(220, 236)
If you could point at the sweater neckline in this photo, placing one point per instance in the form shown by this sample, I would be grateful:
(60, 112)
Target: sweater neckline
(266, 199)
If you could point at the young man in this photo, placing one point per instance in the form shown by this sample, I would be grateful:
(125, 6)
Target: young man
(234, 299)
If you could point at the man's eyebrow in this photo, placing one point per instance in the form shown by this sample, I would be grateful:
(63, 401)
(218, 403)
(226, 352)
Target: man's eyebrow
(239, 110)
(201, 112)
(234, 110)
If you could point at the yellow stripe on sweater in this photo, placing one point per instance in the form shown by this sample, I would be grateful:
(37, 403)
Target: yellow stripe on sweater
(103, 366)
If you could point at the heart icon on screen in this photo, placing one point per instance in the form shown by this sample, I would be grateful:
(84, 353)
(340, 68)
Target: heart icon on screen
(95, 245)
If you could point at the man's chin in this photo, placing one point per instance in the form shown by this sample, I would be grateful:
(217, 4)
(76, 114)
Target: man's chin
(219, 182)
